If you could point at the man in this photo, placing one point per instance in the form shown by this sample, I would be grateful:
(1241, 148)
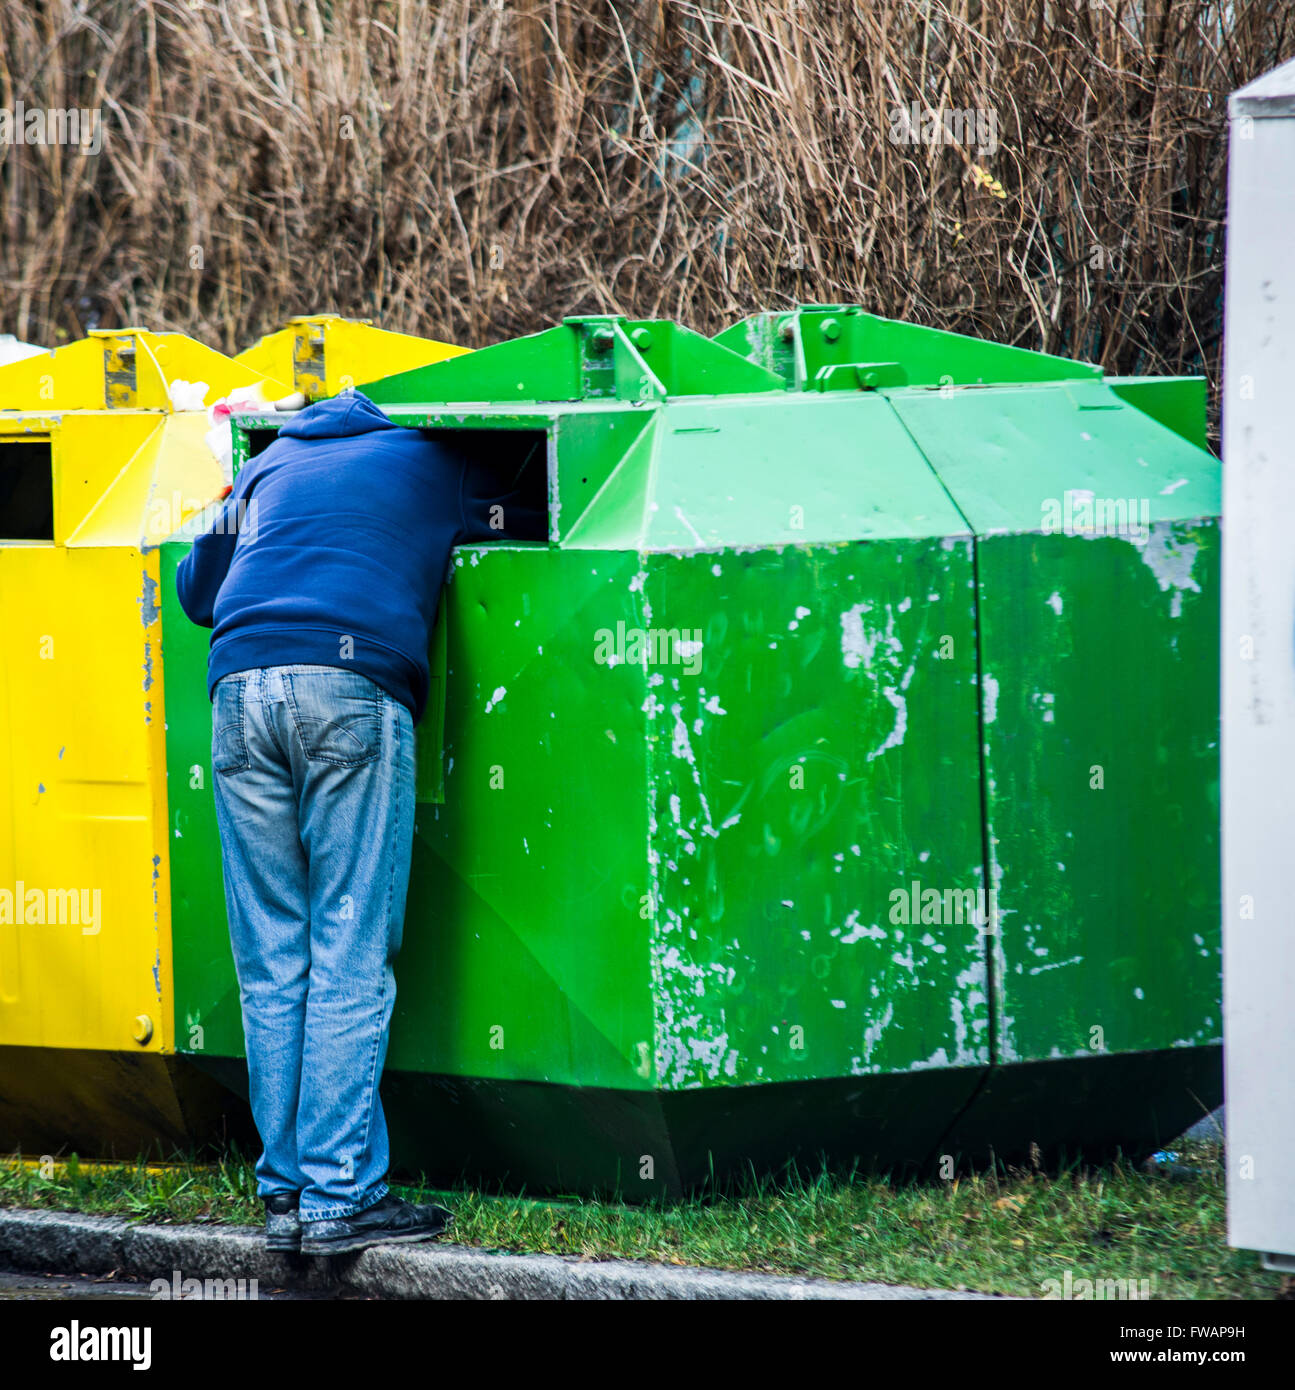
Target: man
(321, 578)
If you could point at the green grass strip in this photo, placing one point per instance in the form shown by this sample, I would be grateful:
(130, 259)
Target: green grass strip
(1007, 1231)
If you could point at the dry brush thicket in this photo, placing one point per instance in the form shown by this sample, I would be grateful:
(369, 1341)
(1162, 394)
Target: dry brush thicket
(471, 170)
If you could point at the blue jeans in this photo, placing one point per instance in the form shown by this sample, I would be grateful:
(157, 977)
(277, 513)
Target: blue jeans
(314, 786)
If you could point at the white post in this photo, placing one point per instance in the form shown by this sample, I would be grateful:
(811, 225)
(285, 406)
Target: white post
(1258, 669)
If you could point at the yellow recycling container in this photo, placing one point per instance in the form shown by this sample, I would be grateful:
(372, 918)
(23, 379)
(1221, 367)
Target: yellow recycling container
(97, 467)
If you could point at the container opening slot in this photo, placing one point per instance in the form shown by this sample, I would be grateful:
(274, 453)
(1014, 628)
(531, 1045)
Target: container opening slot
(508, 467)
(26, 490)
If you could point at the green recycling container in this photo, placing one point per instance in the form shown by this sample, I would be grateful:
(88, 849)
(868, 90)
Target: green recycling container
(839, 780)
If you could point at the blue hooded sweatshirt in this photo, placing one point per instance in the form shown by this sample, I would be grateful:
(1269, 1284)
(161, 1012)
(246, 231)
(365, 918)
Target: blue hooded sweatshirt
(332, 548)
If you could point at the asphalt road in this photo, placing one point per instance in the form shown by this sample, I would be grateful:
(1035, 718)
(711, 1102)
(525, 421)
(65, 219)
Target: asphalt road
(81, 1288)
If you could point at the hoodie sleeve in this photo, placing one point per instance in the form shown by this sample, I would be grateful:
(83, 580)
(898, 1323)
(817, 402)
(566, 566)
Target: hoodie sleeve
(202, 571)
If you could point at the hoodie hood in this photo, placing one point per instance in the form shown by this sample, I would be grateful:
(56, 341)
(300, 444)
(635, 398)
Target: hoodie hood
(336, 418)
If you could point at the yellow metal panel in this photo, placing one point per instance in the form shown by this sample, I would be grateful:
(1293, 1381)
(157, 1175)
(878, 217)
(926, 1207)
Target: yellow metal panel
(82, 802)
(124, 369)
(187, 478)
(92, 453)
(171, 476)
(22, 426)
(271, 355)
(322, 354)
(55, 380)
(166, 357)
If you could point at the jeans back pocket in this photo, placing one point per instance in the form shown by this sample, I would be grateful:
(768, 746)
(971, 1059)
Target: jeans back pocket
(337, 715)
(228, 729)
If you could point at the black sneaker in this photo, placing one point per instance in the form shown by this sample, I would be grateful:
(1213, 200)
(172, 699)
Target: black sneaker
(282, 1224)
(386, 1222)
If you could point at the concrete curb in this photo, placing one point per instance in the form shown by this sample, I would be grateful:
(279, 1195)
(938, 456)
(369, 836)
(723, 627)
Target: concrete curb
(67, 1242)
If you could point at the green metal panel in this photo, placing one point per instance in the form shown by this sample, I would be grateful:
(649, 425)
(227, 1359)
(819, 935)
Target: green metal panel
(583, 359)
(591, 445)
(813, 762)
(726, 471)
(616, 517)
(1103, 809)
(542, 367)
(808, 347)
(1099, 663)
(524, 952)
(736, 471)
(1010, 455)
(1176, 402)
(208, 1014)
